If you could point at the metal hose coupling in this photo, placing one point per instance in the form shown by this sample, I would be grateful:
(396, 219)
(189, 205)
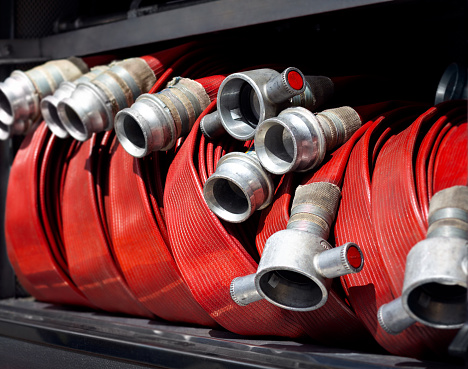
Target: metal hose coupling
(297, 265)
(434, 288)
(156, 121)
(93, 105)
(21, 93)
(238, 187)
(297, 139)
(248, 98)
(19, 128)
(453, 84)
(50, 103)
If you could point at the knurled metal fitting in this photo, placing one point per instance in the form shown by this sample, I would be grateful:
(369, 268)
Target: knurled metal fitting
(297, 265)
(243, 290)
(93, 104)
(50, 103)
(155, 121)
(297, 139)
(21, 93)
(393, 317)
(211, 126)
(435, 285)
(238, 187)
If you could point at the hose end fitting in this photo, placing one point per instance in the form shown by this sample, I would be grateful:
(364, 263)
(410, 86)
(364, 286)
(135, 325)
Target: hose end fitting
(435, 286)
(297, 140)
(155, 121)
(211, 126)
(93, 105)
(243, 290)
(297, 264)
(453, 84)
(21, 93)
(19, 128)
(248, 98)
(49, 104)
(238, 187)
(393, 318)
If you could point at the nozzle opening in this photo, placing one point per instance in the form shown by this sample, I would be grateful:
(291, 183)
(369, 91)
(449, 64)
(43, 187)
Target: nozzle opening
(6, 110)
(229, 201)
(354, 257)
(276, 148)
(439, 303)
(240, 108)
(76, 127)
(51, 116)
(133, 132)
(292, 290)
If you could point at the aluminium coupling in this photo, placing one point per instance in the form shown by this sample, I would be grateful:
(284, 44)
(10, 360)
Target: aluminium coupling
(453, 84)
(18, 128)
(155, 121)
(248, 98)
(238, 188)
(50, 103)
(297, 139)
(21, 93)
(94, 104)
(435, 286)
(297, 265)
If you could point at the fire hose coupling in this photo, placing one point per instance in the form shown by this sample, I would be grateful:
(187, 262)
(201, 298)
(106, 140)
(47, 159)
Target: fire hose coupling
(19, 128)
(21, 93)
(434, 288)
(453, 84)
(248, 98)
(92, 106)
(156, 121)
(297, 139)
(238, 187)
(50, 103)
(297, 264)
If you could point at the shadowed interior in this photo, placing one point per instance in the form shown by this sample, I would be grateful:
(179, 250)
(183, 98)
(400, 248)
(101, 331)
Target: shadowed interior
(230, 197)
(133, 132)
(292, 289)
(74, 120)
(439, 303)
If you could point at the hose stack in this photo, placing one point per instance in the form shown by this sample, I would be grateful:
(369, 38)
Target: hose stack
(229, 198)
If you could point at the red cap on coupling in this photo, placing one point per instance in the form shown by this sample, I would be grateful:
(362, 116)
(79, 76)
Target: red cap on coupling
(354, 257)
(295, 80)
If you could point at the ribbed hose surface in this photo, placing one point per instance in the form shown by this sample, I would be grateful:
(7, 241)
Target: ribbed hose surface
(87, 224)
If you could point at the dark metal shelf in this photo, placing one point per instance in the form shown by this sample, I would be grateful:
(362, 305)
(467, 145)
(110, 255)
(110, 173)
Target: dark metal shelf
(190, 20)
(31, 327)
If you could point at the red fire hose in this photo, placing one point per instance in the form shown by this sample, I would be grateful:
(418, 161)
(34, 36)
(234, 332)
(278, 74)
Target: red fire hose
(87, 224)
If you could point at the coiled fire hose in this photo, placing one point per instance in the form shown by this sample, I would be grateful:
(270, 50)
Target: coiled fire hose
(87, 224)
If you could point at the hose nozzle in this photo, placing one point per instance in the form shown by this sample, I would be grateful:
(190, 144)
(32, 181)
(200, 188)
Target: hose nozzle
(246, 99)
(435, 287)
(239, 187)
(21, 93)
(155, 121)
(297, 139)
(297, 264)
(92, 106)
(49, 104)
